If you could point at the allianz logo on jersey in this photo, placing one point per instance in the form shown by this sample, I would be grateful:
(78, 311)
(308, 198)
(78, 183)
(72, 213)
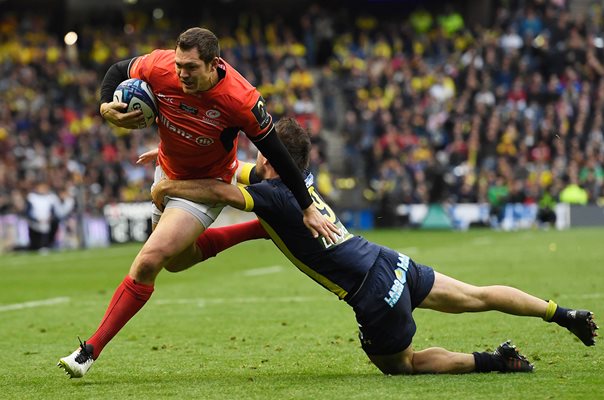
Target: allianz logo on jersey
(394, 294)
(200, 140)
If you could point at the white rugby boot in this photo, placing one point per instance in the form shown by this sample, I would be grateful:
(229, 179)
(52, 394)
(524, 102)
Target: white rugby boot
(79, 362)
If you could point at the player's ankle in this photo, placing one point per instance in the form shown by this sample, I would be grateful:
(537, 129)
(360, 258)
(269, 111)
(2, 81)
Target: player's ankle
(487, 362)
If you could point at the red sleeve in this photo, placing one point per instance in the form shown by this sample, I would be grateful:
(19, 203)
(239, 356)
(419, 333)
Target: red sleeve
(142, 66)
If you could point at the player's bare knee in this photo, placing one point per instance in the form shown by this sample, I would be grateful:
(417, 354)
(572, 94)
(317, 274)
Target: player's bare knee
(149, 262)
(394, 366)
(480, 298)
(175, 266)
(395, 369)
(172, 268)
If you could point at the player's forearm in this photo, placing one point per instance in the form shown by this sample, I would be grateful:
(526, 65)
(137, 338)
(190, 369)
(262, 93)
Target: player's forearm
(205, 191)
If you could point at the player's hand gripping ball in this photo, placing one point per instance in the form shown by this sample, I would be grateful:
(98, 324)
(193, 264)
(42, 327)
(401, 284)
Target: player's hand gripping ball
(138, 95)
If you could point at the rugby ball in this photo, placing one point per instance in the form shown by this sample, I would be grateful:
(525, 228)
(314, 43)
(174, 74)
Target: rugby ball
(138, 95)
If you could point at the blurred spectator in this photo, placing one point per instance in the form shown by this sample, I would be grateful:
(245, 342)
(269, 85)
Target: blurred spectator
(421, 20)
(44, 210)
(451, 21)
(572, 193)
(497, 195)
(546, 215)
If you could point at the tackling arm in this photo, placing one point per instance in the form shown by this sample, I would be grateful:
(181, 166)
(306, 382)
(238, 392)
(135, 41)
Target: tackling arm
(207, 191)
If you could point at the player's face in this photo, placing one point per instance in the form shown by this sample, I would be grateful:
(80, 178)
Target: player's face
(194, 74)
(260, 163)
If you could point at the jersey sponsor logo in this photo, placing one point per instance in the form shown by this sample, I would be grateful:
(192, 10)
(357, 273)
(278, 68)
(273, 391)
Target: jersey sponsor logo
(175, 129)
(213, 114)
(340, 238)
(204, 141)
(394, 294)
(200, 140)
(259, 111)
(189, 109)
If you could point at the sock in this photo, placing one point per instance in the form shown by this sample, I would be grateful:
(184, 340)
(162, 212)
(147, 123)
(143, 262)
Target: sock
(557, 314)
(129, 297)
(487, 362)
(214, 240)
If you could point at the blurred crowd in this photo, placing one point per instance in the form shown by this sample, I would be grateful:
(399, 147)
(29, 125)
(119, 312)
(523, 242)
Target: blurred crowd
(50, 127)
(510, 112)
(429, 108)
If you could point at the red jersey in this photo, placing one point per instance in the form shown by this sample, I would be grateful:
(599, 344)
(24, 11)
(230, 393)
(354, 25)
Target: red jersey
(199, 132)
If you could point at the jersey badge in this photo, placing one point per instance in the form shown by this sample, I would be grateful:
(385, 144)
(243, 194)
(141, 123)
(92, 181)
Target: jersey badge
(259, 111)
(213, 114)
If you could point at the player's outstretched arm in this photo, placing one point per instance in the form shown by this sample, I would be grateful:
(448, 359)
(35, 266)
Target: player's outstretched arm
(276, 153)
(148, 157)
(207, 191)
(318, 225)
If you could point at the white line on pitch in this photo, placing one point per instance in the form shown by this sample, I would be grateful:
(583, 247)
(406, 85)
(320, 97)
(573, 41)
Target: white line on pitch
(32, 304)
(263, 271)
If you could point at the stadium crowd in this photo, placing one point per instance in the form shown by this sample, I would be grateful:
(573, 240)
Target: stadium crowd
(433, 110)
(506, 113)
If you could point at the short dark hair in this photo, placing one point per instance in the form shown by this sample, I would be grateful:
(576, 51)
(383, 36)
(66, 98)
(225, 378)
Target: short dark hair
(296, 140)
(203, 40)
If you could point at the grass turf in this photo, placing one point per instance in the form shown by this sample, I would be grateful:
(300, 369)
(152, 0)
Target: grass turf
(248, 325)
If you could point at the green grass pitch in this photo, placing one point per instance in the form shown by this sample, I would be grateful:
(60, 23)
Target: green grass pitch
(248, 325)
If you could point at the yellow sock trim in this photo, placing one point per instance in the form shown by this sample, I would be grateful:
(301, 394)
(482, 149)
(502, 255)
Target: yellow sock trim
(550, 311)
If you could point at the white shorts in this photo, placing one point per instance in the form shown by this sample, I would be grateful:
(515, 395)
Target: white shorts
(204, 213)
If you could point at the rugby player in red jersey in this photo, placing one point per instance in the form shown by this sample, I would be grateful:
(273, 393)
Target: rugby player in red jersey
(203, 103)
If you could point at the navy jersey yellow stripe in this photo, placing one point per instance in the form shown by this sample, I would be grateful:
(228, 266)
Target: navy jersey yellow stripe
(244, 174)
(339, 267)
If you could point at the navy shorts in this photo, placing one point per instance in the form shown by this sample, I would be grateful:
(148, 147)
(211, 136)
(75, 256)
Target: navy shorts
(392, 289)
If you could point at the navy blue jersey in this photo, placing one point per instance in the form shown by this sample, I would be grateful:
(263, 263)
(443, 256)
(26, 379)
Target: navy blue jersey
(339, 267)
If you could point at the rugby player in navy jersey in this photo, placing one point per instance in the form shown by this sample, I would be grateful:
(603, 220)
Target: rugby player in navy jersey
(381, 285)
